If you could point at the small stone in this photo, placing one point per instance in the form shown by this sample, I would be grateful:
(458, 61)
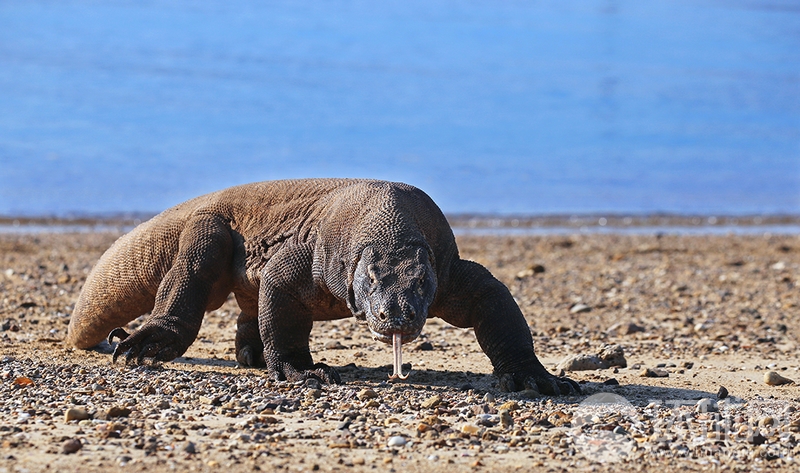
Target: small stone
(756, 439)
(471, 429)
(488, 397)
(118, 411)
(505, 419)
(189, 447)
(71, 446)
(579, 308)
(366, 393)
(774, 379)
(359, 461)
(624, 328)
(706, 405)
(397, 441)
(314, 393)
(334, 345)
(509, 406)
(722, 393)
(654, 373)
(76, 413)
(619, 430)
(431, 402)
(767, 422)
(611, 382)
(424, 346)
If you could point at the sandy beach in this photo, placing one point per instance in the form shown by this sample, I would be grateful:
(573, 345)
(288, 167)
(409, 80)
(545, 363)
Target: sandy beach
(692, 314)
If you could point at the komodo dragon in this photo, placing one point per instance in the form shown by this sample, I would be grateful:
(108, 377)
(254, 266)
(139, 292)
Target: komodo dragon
(293, 252)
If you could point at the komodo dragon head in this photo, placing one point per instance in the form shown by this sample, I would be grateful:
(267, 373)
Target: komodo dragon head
(392, 291)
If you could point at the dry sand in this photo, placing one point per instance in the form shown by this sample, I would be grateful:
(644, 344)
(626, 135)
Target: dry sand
(708, 311)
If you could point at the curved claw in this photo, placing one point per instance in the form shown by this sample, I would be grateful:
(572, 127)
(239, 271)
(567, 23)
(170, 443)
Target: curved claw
(118, 332)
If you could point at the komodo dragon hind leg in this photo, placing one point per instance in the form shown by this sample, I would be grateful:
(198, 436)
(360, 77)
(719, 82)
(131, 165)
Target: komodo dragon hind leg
(474, 298)
(285, 319)
(200, 275)
(249, 348)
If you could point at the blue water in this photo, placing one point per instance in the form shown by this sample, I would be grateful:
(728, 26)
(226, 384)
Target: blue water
(495, 107)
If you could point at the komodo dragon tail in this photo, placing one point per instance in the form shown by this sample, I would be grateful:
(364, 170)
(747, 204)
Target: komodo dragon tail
(123, 284)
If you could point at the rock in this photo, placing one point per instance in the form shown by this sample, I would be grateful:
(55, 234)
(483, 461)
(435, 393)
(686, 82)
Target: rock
(654, 373)
(76, 413)
(579, 309)
(424, 346)
(774, 379)
(117, 411)
(189, 447)
(756, 439)
(722, 393)
(470, 429)
(530, 271)
(432, 401)
(71, 446)
(581, 363)
(624, 328)
(509, 406)
(611, 382)
(334, 345)
(397, 441)
(610, 355)
(366, 393)
(706, 405)
(505, 419)
(614, 355)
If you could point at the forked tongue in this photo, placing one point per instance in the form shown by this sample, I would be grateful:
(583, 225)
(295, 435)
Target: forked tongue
(397, 343)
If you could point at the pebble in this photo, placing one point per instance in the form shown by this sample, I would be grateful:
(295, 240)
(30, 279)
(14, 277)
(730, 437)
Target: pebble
(654, 373)
(119, 411)
(706, 405)
(75, 413)
(367, 393)
(334, 345)
(432, 401)
(774, 379)
(624, 328)
(71, 446)
(722, 393)
(189, 447)
(471, 429)
(608, 357)
(396, 441)
(424, 346)
(579, 309)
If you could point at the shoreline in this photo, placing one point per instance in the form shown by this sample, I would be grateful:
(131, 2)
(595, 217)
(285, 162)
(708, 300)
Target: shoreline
(482, 224)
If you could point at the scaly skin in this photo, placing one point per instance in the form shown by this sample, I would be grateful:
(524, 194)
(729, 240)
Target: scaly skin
(294, 252)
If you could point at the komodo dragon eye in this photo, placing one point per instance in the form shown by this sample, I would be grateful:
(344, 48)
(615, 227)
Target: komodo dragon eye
(421, 285)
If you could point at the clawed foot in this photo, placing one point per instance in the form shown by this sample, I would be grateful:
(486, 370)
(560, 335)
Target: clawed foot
(320, 371)
(250, 357)
(545, 383)
(149, 342)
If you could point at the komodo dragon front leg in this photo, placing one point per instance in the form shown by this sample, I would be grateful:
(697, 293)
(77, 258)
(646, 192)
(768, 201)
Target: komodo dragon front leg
(286, 314)
(200, 279)
(474, 298)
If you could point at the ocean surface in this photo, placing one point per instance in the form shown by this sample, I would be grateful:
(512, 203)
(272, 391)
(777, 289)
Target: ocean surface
(513, 107)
